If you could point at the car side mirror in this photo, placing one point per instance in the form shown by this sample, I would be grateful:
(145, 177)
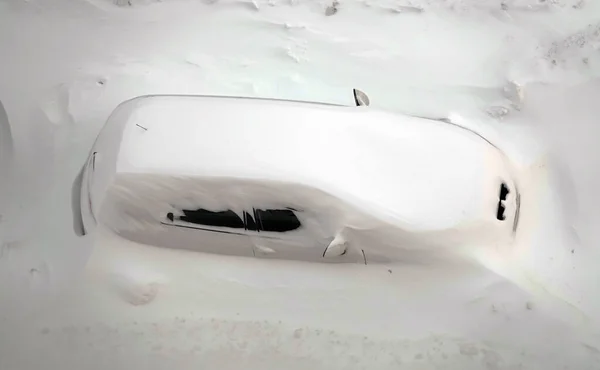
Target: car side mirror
(338, 247)
(360, 98)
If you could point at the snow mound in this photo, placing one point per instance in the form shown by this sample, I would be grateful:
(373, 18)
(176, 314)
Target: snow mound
(398, 6)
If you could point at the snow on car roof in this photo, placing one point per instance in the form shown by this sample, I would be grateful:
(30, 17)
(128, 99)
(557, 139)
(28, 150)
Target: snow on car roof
(381, 160)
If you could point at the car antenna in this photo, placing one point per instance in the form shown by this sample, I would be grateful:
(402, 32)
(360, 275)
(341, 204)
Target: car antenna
(360, 98)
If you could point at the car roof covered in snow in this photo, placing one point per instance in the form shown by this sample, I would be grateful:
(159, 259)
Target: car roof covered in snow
(390, 161)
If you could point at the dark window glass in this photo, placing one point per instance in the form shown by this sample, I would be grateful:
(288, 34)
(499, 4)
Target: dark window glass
(278, 220)
(250, 223)
(204, 217)
(503, 191)
(500, 212)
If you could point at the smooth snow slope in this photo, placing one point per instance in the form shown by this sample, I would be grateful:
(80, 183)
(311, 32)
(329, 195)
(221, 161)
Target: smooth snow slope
(66, 64)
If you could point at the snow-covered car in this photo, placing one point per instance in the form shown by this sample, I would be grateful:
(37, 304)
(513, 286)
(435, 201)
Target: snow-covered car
(293, 180)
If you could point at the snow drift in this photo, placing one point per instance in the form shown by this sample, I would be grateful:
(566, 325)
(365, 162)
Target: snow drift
(72, 62)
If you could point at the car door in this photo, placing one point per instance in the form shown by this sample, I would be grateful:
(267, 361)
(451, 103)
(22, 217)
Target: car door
(286, 233)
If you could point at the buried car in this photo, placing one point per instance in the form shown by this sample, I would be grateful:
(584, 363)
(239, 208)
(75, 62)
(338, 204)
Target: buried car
(293, 180)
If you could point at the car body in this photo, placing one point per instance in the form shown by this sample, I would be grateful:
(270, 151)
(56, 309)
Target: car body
(293, 180)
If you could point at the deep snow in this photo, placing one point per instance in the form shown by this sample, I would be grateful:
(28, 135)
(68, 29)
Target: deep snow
(67, 64)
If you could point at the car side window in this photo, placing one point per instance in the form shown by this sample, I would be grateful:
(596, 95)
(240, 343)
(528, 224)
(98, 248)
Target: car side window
(277, 220)
(210, 218)
(272, 220)
(250, 222)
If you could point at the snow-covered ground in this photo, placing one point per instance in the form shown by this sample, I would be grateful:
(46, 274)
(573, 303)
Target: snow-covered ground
(67, 303)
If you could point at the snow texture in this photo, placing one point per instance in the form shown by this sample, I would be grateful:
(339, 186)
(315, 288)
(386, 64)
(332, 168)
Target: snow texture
(522, 73)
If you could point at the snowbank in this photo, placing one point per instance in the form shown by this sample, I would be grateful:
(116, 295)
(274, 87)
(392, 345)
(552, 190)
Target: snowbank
(70, 63)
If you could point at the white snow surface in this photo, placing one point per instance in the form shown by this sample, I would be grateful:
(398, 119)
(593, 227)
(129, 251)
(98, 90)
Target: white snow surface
(103, 303)
(421, 174)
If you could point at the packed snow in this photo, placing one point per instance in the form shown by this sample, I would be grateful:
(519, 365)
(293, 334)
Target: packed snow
(523, 73)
